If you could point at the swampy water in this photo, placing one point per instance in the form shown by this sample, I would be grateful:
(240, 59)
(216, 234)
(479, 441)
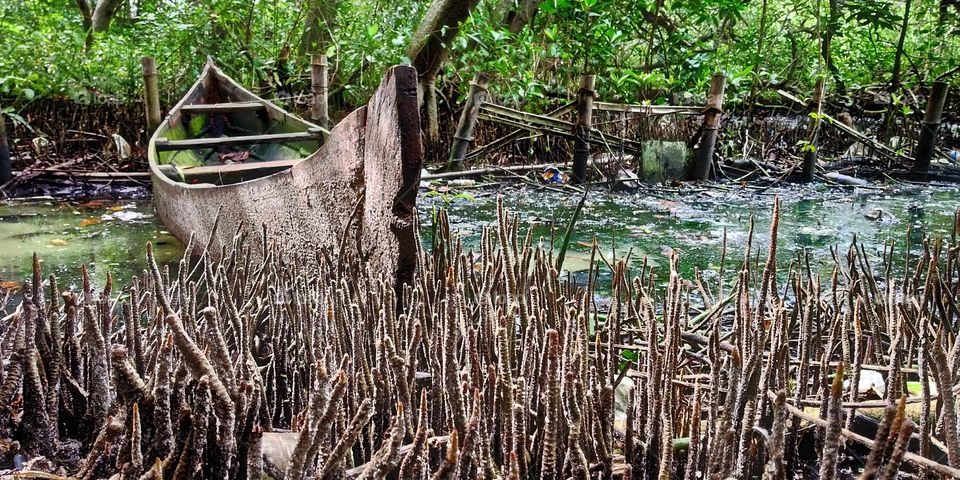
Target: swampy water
(692, 221)
(105, 235)
(696, 222)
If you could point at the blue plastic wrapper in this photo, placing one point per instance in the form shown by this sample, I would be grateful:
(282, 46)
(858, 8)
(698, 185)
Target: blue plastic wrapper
(553, 175)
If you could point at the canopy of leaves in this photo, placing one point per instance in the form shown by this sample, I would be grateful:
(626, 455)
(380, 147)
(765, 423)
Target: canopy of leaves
(642, 50)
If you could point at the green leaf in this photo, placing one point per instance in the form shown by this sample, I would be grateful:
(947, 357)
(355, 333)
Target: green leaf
(551, 33)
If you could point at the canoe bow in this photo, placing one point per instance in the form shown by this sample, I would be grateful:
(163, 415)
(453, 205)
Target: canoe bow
(364, 179)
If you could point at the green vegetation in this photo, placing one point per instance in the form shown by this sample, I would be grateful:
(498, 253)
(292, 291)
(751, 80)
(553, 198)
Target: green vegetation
(641, 50)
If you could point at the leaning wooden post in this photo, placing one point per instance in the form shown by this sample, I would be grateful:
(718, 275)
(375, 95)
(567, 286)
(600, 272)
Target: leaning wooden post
(318, 83)
(928, 130)
(468, 120)
(810, 148)
(151, 94)
(581, 129)
(711, 125)
(6, 171)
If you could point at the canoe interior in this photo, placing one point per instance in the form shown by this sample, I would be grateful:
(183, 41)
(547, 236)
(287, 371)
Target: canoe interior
(214, 87)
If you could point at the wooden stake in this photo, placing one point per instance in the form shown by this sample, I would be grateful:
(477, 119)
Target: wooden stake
(581, 129)
(151, 94)
(810, 149)
(6, 173)
(928, 130)
(468, 120)
(318, 83)
(711, 125)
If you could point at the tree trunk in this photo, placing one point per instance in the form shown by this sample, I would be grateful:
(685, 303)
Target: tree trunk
(942, 16)
(86, 16)
(519, 13)
(833, 22)
(6, 173)
(898, 57)
(761, 36)
(103, 14)
(321, 18)
(653, 31)
(427, 51)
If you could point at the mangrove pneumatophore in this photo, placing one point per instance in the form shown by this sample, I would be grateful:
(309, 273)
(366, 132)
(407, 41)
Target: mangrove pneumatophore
(489, 364)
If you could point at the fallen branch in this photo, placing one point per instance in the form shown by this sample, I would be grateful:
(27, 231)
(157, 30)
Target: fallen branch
(867, 403)
(476, 172)
(432, 441)
(912, 457)
(869, 142)
(32, 172)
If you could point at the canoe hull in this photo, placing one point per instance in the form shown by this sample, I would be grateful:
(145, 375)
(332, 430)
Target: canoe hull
(363, 180)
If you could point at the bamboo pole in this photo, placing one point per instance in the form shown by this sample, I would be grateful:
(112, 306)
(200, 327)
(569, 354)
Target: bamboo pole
(928, 130)
(514, 135)
(581, 130)
(468, 120)
(6, 173)
(319, 86)
(151, 94)
(647, 109)
(546, 124)
(810, 149)
(711, 125)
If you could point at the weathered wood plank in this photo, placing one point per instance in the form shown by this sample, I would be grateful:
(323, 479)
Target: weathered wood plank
(230, 107)
(232, 168)
(164, 145)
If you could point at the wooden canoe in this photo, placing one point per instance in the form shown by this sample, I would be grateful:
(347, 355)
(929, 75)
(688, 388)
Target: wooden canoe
(225, 161)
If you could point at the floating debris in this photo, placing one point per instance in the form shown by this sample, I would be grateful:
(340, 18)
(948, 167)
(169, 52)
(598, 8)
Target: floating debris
(125, 216)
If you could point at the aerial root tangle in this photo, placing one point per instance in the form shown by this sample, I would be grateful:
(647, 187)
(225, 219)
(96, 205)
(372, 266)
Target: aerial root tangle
(489, 364)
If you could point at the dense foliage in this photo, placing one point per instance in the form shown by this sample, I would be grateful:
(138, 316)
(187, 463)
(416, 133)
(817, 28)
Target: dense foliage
(642, 50)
